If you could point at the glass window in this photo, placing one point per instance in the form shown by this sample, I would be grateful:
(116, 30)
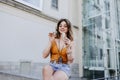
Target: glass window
(37, 4)
(54, 4)
(108, 53)
(101, 53)
(107, 5)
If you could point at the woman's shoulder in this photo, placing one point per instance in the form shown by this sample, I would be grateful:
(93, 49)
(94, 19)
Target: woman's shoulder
(72, 42)
(55, 40)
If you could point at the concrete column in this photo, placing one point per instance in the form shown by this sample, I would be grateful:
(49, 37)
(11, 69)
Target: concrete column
(80, 38)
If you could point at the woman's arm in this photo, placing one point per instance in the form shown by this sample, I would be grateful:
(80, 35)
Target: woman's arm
(70, 53)
(46, 51)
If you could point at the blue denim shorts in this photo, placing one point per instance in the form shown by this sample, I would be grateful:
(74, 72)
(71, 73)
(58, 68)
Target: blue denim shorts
(62, 67)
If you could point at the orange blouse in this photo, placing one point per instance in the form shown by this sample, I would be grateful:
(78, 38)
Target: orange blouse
(56, 53)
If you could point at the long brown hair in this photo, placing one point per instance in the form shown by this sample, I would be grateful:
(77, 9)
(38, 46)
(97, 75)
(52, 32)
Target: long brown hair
(69, 33)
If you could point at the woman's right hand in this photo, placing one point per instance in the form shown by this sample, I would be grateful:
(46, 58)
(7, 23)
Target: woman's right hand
(51, 36)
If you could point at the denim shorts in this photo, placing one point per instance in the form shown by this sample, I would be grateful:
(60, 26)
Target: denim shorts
(62, 67)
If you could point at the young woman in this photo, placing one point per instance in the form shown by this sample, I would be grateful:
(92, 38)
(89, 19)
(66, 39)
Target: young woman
(60, 48)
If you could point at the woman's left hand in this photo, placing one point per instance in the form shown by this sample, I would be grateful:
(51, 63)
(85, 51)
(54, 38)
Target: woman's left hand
(67, 42)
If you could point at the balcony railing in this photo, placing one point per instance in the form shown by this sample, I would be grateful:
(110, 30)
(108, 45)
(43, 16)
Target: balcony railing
(94, 63)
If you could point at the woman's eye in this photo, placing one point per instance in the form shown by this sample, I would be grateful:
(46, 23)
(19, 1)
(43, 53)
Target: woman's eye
(65, 26)
(60, 26)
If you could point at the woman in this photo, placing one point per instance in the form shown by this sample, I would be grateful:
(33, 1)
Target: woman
(60, 49)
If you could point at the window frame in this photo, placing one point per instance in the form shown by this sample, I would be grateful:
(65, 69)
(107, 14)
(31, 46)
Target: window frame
(32, 5)
(54, 4)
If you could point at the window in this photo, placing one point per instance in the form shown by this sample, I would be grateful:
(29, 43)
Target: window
(37, 4)
(97, 2)
(108, 57)
(101, 53)
(54, 4)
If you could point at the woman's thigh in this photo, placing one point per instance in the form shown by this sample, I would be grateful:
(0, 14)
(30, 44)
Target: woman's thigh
(60, 75)
(47, 70)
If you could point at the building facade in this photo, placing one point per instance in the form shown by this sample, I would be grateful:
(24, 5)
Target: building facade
(101, 38)
(24, 29)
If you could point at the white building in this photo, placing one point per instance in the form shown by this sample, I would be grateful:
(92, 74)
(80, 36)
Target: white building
(24, 29)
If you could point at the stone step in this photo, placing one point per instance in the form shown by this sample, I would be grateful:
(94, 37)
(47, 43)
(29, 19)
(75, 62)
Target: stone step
(8, 76)
(12, 71)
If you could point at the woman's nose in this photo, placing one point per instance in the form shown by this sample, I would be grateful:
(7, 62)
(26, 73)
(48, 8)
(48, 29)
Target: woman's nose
(62, 26)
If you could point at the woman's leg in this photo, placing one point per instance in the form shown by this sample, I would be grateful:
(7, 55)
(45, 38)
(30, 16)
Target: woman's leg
(47, 72)
(60, 75)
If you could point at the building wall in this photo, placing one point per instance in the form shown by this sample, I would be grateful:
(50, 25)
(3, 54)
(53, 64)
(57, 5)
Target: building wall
(24, 32)
(61, 12)
(23, 35)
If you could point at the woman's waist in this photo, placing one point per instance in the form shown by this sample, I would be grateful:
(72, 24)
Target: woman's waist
(58, 62)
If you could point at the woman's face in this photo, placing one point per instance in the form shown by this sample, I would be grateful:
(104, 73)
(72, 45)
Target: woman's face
(63, 28)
